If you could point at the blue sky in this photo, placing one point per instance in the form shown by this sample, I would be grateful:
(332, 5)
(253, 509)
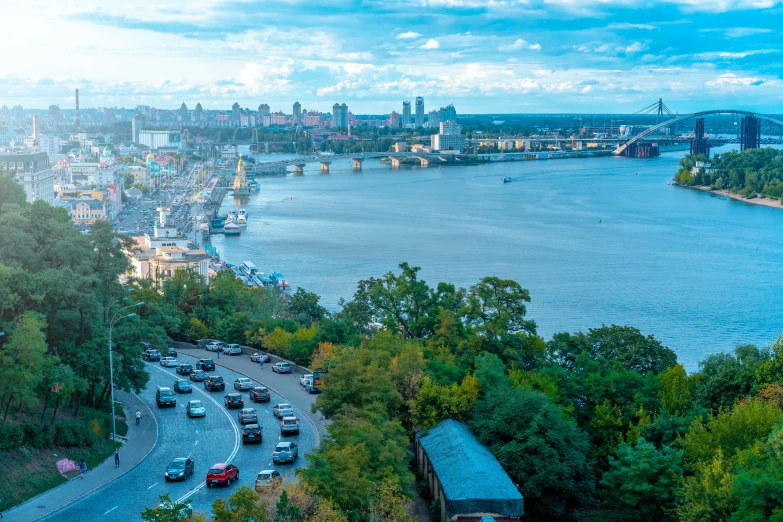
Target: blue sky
(485, 56)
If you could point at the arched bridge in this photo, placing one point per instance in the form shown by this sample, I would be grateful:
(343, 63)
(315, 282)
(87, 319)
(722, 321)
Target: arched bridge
(678, 119)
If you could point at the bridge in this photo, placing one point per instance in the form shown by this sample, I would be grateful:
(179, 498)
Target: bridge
(299, 163)
(677, 119)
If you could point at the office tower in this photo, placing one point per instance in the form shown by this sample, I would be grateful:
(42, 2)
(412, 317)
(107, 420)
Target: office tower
(235, 113)
(419, 111)
(394, 119)
(135, 128)
(264, 115)
(297, 113)
(448, 113)
(198, 111)
(344, 115)
(54, 111)
(183, 112)
(76, 94)
(406, 113)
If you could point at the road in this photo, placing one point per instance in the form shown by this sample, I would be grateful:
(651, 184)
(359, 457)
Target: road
(209, 440)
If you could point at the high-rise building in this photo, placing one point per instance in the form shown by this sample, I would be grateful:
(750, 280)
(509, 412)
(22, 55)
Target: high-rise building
(17, 112)
(448, 113)
(183, 112)
(297, 113)
(264, 115)
(450, 137)
(344, 115)
(433, 120)
(406, 113)
(394, 119)
(54, 111)
(197, 112)
(235, 113)
(339, 115)
(135, 127)
(419, 111)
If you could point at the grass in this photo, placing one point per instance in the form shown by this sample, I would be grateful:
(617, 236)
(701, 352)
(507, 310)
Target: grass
(29, 472)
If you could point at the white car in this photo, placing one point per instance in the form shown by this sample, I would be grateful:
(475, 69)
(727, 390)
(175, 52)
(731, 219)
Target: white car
(257, 356)
(306, 380)
(214, 346)
(242, 384)
(232, 349)
(169, 362)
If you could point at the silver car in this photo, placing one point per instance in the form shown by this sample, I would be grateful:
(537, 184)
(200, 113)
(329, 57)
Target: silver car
(196, 409)
(283, 367)
(170, 362)
(282, 410)
(243, 383)
(232, 349)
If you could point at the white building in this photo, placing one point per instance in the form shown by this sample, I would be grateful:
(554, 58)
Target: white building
(49, 144)
(33, 171)
(156, 139)
(109, 175)
(160, 255)
(449, 138)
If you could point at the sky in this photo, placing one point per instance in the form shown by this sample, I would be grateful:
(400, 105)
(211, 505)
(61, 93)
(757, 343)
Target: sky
(484, 56)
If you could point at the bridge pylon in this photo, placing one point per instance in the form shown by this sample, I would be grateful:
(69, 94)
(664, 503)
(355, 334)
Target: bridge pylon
(299, 169)
(395, 162)
(357, 163)
(325, 166)
(425, 162)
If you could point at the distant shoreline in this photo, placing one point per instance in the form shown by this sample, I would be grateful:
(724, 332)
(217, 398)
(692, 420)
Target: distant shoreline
(766, 202)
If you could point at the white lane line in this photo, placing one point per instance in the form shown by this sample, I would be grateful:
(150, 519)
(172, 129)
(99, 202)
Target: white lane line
(112, 509)
(152, 486)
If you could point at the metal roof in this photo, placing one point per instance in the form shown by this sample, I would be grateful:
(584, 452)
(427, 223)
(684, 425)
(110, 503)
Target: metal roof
(471, 477)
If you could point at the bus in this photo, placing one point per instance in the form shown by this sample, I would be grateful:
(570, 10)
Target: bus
(318, 380)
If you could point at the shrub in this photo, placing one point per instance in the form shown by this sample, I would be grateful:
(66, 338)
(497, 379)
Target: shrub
(11, 437)
(72, 434)
(37, 436)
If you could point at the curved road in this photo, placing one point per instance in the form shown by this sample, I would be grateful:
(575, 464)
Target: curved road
(214, 438)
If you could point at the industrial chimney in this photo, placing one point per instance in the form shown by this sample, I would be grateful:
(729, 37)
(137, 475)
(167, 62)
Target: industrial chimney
(36, 133)
(77, 110)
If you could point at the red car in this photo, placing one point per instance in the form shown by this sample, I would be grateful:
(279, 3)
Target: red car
(222, 473)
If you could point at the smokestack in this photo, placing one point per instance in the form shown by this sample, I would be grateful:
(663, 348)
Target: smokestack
(77, 110)
(35, 130)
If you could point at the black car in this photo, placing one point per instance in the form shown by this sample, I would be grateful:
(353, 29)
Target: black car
(233, 400)
(172, 351)
(251, 433)
(179, 469)
(184, 369)
(165, 397)
(208, 365)
(151, 355)
(260, 394)
(183, 386)
(214, 382)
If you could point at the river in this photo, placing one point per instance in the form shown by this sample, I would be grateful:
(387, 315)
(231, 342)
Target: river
(596, 241)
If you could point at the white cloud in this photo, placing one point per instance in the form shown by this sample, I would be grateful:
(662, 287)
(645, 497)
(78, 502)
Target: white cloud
(519, 44)
(626, 25)
(739, 32)
(431, 44)
(535, 47)
(408, 35)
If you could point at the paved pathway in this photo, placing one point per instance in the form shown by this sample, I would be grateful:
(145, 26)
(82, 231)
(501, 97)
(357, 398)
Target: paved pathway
(141, 441)
(286, 384)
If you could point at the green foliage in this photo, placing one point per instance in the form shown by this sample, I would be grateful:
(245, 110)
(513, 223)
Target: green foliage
(167, 510)
(724, 377)
(750, 172)
(542, 450)
(242, 506)
(304, 308)
(644, 478)
(675, 393)
(758, 484)
(630, 348)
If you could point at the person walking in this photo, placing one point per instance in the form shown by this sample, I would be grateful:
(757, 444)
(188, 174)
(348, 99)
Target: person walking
(218, 352)
(116, 457)
(261, 363)
(82, 468)
(138, 416)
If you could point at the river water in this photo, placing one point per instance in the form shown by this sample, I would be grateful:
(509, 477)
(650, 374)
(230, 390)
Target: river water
(596, 241)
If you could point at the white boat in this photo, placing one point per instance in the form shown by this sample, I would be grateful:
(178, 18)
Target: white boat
(242, 217)
(248, 269)
(231, 229)
(231, 218)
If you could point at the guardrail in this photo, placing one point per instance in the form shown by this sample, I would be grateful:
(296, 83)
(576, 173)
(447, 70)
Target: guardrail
(248, 350)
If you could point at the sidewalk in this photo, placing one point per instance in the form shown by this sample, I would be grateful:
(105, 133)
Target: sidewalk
(141, 441)
(286, 384)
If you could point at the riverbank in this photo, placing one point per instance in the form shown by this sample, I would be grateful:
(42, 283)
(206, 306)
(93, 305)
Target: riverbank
(758, 200)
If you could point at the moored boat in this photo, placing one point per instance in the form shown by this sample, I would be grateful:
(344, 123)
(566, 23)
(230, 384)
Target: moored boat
(231, 229)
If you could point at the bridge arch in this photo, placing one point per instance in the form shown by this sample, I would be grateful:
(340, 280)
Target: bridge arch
(619, 150)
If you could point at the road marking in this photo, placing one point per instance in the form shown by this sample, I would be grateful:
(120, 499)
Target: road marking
(112, 509)
(152, 486)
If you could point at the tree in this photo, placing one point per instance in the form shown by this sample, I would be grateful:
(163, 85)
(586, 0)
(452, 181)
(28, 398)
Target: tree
(388, 504)
(758, 483)
(11, 192)
(675, 394)
(724, 378)
(304, 307)
(167, 510)
(435, 403)
(644, 478)
(539, 447)
(242, 506)
(632, 349)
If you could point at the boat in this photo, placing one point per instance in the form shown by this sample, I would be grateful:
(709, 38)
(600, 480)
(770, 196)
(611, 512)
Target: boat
(248, 269)
(280, 282)
(242, 217)
(263, 280)
(218, 222)
(231, 218)
(231, 229)
(507, 180)
(254, 186)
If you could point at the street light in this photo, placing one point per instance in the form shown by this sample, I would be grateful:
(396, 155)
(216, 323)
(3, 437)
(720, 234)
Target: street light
(117, 317)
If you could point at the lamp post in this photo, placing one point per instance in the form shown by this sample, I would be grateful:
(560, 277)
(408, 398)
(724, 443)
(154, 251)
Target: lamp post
(117, 317)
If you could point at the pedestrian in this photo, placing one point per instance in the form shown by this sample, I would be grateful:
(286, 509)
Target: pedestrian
(116, 457)
(218, 352)
(261, 362)
(82, 468)
(138, 416)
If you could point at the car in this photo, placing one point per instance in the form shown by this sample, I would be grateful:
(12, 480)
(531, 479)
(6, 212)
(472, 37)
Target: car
(195, 408)
(282, 410)
(283, 367)
(242, 384)
(165, 397)
(179, 469)
(251, 433)
(306, 380)
(146, 345)
(214, 346)
(289, 426)
(208, 365)
(233, 400)
(222, 473)
(172, 351)
(247, 416)
(214, 382)
(268, 479)
(257, 356)
(260, 394)
(197, 375)
(183, 386)
(232, 349)
(285, 452)
(151, 355)
(184, 369)
(202, 343)
(168, 362)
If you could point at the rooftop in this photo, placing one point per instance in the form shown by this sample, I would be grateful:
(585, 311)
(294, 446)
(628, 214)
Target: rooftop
(471, 477)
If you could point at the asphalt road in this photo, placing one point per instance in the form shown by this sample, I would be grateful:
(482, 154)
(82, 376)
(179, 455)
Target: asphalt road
(143, 214)
(209, 440)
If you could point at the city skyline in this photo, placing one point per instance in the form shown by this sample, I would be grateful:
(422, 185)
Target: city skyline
(484, 56)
